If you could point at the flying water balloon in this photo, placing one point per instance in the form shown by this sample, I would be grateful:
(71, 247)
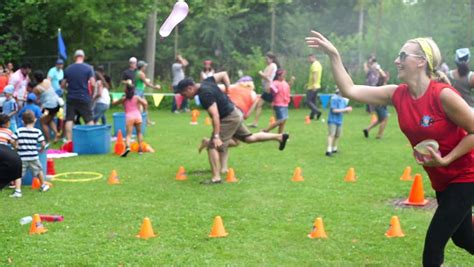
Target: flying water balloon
(178, 14)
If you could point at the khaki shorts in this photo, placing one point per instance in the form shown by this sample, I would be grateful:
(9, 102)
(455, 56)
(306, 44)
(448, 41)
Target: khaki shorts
(232, 126)
(334, 130)
(33, 165)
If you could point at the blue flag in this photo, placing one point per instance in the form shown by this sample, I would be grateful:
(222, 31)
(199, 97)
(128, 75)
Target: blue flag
(61, 46)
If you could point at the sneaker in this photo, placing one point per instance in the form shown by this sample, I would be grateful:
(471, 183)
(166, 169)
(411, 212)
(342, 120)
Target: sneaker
(329, 154)
(211, 182)
(334, 151)
(176, 112)
(366, 133)
(319, 115)
(44, 188)
(125, 153)
(283, 141)
(16, 194)
(253, 125)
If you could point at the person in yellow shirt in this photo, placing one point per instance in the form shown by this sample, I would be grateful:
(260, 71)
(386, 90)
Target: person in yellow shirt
(313, 86)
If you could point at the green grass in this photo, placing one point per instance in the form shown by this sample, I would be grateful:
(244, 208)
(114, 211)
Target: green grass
(267, 216)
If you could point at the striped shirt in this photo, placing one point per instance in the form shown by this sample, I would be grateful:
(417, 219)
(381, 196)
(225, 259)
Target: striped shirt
(27, 142)
(5, 136)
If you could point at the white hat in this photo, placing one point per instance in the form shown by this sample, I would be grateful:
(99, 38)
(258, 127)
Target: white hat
(132, 60)
(462, 55)
(79, 53)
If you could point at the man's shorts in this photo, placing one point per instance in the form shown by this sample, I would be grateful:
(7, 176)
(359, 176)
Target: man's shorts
(76, 107)
(10, 165)
(33, 165)
(232, 126)
(334, 130)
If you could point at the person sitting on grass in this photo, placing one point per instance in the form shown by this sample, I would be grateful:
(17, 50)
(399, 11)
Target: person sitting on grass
(337, 108)
(27, 139)
(10, 162)
(280, 90)
(133, 117)
(227, 120)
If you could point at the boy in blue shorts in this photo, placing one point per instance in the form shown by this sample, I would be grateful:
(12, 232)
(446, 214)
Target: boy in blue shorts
(337, 108)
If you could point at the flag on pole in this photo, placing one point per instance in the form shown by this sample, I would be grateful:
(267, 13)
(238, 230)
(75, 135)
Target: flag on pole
(157, 99)
(61, 46)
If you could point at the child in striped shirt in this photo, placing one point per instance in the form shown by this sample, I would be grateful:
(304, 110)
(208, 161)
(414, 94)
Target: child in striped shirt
(27, 139)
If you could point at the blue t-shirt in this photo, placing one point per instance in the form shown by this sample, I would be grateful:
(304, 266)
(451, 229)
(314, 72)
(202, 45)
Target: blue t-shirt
(337, 102)
(56, 76)
(77, 76)
(29, 106)
(9, 106)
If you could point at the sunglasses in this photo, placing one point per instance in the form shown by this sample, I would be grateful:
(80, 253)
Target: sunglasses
(403, 56)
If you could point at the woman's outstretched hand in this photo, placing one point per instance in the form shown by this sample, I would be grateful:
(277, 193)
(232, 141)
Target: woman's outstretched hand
(318, 41)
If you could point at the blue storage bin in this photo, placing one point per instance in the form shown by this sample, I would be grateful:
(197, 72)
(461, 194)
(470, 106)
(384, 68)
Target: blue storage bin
(91, 139)
(28, 178)
(119, 123)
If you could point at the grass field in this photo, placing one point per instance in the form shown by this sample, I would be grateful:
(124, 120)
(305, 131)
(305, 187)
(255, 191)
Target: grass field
(267, 216)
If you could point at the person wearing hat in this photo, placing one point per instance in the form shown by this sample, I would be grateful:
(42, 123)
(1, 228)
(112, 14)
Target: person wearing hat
(30, 105)
(55, 75)
(462, 78)
(207, 70)
(10, 107)
(128, 75)
(141, 81)
(227, 120)
(78, 79)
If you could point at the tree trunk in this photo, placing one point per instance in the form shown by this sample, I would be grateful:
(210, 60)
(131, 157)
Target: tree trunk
(150, 46)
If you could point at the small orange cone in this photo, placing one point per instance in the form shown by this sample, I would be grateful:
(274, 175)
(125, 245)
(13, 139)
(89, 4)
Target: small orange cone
(417, 195)
(272, 120)
(181, 174)
(113, 178)
(307, 120)
(35, 184)
(194, 117)
(297, 177)
(395, 229)
(406, 176)
(218, 229)
(146, 231)
(207, 121)
(350, 176)
(119, 147)
(318, 229)
(37, 226)
(231, 176)
(373, 118)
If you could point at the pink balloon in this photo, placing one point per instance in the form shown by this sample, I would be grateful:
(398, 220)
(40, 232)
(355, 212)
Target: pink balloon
(178, 14)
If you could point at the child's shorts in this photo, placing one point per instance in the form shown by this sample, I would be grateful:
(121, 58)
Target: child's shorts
(33, 165)
(334, 129)
(281, 113)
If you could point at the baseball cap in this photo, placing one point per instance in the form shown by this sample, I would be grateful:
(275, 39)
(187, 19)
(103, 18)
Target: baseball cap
(462, 55)
(9, 89)
(141, 63)
(31, 97)
(132, 60)
(183, 84)
(59, 62)
(79, 53)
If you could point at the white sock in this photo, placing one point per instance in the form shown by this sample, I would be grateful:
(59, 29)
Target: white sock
(334, 148)
(329, 149)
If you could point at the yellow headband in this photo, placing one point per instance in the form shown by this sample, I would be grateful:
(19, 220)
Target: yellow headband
(427, 50)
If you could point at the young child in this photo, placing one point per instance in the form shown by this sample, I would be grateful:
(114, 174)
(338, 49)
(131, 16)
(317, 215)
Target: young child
(133, 117)
(337, 108)
(280, 90)
(27, 139)
(30, 105)
(10, 107)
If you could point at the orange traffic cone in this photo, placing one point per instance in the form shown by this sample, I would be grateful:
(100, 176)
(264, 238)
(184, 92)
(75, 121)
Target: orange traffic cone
(146, 231)
(231, 176)
(318, 229)
(181, 174)
(218, 229)
(395, 229)
(119, 147)
(406, 176)
(35, 184)
(207, 121)
(194, 117)
(113, 178)
(373, 118)
(417, 195)
(297, 177)
(272, 120)
(350, 176)
(307, 120)
(37, 226)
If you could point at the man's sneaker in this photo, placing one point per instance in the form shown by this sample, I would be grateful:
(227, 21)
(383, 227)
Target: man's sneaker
(319, 115)
(366, 133)
(334, 151)
(16, 194)
(329, 154)
(44, 188)
(125, 153)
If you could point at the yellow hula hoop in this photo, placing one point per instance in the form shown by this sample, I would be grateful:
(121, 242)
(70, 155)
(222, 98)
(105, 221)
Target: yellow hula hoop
(95, 176)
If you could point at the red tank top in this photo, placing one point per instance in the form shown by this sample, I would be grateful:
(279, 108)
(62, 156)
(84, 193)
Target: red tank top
(424, 118)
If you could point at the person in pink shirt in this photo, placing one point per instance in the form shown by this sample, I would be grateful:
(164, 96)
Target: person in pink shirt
(133, 116)
(19, 79)
(280, 90)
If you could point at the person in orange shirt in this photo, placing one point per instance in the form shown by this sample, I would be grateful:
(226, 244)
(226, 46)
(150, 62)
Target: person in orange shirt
(3, 79)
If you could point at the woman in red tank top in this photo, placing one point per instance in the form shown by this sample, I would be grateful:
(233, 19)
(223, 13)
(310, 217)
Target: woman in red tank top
(427, 109)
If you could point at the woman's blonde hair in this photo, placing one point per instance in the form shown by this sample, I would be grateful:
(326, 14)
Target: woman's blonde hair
(430, 51)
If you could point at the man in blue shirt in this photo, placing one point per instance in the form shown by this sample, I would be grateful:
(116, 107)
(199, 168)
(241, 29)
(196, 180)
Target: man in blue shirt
(55, 75)
(337, 108)
(79, 79)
